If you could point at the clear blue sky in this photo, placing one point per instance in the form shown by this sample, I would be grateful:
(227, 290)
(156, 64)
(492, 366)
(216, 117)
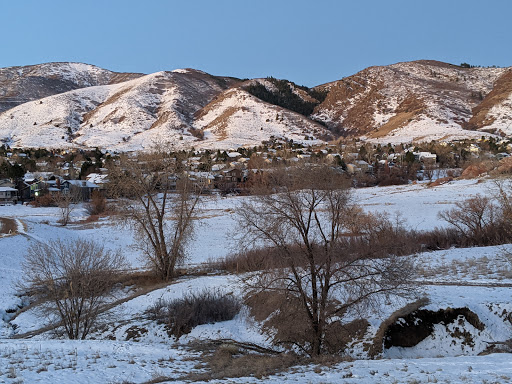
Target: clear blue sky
(308, 42)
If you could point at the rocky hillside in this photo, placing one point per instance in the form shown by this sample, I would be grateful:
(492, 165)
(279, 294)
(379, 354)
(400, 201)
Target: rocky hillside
(418, 100)
(72, 104)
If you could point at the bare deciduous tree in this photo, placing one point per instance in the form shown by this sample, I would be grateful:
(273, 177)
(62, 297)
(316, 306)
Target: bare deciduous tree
(475, 218)
(72, 279)
(159, 203)
(67, 202)
(483, 220)
(430, 170)
(307, 223)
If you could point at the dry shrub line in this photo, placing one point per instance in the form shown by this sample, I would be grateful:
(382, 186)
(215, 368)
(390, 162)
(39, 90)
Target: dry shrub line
(478, 221)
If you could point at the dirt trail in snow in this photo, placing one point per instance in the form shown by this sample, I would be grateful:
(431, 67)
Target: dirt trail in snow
(465, 284)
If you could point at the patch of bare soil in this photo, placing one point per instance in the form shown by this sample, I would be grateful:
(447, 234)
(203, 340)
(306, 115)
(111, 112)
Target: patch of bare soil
(505, 166)
(7, 226)
(163, 117)
(440, 181)
(411, 329)
(474, 170)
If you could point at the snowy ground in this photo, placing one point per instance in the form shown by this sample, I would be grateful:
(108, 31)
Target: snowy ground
(114, 362)
(477, 278)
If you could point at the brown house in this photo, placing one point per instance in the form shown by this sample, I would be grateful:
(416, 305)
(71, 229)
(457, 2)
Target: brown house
(229, 180)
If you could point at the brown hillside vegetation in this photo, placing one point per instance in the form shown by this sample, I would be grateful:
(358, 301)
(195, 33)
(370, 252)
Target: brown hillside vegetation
(501, 90)
(339, 102)
(408, 109)
(389, 97)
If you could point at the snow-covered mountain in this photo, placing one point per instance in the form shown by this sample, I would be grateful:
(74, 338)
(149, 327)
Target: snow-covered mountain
(419, 100)
(19, 85)
(183, 108)
(236, 118)
(135, 114)
(80, 105)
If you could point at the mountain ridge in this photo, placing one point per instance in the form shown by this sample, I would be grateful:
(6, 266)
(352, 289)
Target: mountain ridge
(81, 105)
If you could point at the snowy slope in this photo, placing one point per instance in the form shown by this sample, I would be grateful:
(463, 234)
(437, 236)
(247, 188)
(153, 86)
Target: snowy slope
(132, 115)
(420, 100)
(19, 85)
(74, 104)
(50, 122)
(476, 278)
(236, 118)
(183, 108)
(501, 116)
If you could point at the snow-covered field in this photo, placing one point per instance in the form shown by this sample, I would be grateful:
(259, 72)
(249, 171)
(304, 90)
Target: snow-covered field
(476, 278)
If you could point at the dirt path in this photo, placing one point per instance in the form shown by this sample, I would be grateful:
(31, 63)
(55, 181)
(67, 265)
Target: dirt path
(464, 284)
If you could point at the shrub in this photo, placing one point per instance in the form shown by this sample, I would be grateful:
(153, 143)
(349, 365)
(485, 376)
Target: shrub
(205, 307)
(223, 364)
(441, 238)
(283, 317)
(250, 260)
(44, 201)
(479, 219)
(97, 205)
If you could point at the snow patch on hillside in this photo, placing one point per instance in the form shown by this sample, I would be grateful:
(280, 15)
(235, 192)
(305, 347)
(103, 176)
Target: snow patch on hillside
(426, 129)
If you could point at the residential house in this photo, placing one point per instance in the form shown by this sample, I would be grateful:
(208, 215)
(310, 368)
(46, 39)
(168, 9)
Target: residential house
(364, 166)
(202, 181)
(101, 180)
(474, 149)
(229, 180)
(8, 195)
(83, 188)
(359, 166)
(425, 157)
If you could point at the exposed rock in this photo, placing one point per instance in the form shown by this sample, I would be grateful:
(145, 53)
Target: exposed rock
(411, 329)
